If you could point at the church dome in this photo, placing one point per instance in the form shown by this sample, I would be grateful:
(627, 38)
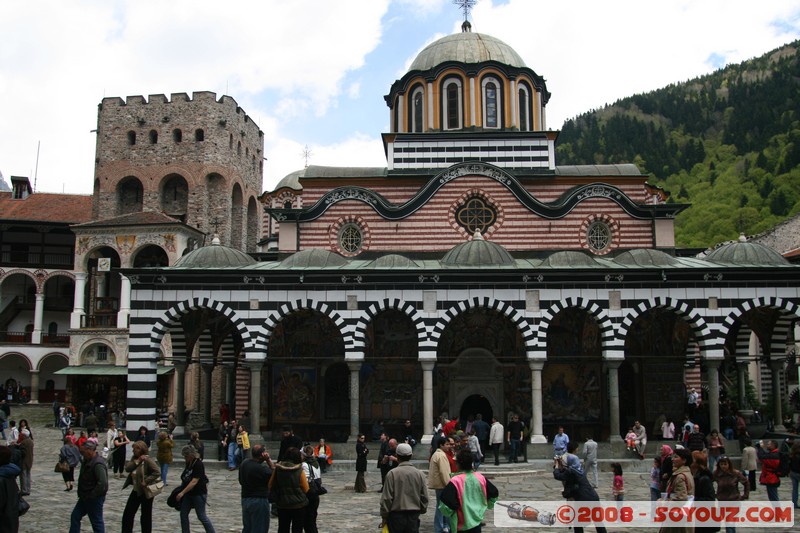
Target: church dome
(746, 253)
(477, 252)
(291, 180)
(569, 259)
(394, 261)
(645, 257)
(466, 47)
(215, 256)
(314, 258)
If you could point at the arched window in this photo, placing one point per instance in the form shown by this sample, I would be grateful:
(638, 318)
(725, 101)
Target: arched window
(239, 148)
(453, 118)
(131, 138)
(524, 108)
(418, 110)
(492, 101)
(177, 135)
(153, 136)
(199, 135)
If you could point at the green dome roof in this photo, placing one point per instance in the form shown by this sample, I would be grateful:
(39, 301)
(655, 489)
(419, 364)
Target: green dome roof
(477, 252)
(466, 47)
(291, 180)
(314, 258)
(645, 257)
(214, 256)
(569, 258)
(746, 253)
(394, 261)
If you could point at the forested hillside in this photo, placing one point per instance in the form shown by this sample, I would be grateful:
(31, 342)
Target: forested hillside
(728, 143)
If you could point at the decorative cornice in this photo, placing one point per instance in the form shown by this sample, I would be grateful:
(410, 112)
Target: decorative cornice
(552, 210)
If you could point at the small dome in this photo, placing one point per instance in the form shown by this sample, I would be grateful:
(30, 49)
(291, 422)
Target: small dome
(394, 261)
(314, 258)
(214, 255)
(291, 180)
(477, 252)
(645, 257)
(568, 259)
(466, 47)
(746, 253)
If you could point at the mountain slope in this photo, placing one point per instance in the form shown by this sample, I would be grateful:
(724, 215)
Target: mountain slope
(727, 142)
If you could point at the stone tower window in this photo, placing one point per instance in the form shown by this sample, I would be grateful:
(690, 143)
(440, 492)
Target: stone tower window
(598, 236)
(131, 138)
(177, 135)
(153, 137)
(230, 142)
(476, 215)
(129, 196)
(199, 135)
(239, 148)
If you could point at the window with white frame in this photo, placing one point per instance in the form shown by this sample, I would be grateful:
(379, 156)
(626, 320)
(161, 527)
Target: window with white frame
(492, 102)
(453, 98)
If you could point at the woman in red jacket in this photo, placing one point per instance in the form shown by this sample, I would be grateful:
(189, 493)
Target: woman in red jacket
(770, 460)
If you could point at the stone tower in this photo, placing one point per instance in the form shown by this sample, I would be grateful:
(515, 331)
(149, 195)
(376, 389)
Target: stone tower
(197, 159)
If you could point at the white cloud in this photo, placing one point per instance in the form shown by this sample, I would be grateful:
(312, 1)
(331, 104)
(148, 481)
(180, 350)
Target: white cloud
(305, 62)
(357, 150)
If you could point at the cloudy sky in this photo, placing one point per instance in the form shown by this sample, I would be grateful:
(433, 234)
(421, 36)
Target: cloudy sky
(313, 72)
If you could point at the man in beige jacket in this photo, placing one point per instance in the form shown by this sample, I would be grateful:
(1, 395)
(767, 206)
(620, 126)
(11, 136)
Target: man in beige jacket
(438, 478)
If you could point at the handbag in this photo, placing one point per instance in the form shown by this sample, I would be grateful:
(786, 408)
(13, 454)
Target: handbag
(61, 466)
(172, 501)
(154, 489)
(320, 489)
(23, 506)
(315, 487)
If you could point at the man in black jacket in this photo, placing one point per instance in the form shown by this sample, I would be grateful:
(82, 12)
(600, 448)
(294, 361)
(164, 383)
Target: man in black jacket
(92, 489)
(9, 493)
(576, 487)
(254, 477)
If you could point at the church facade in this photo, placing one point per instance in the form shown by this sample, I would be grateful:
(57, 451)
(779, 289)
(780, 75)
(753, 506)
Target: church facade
(472, 274)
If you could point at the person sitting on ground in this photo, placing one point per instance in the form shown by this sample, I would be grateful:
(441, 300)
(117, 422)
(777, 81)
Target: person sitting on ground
(324, 455)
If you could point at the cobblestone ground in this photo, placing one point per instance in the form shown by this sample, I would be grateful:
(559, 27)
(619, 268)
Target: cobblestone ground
(341, 510)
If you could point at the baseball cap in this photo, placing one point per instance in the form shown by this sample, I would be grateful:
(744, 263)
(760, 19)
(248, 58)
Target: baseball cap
(90, 444)
(404, 450)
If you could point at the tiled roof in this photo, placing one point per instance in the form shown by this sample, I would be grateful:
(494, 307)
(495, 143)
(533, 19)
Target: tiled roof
(141, 218)
(46, 207)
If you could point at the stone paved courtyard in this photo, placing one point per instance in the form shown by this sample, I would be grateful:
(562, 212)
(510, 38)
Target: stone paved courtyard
(341, 510)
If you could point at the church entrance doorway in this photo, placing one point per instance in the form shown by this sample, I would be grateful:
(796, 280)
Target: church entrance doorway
(473, 405)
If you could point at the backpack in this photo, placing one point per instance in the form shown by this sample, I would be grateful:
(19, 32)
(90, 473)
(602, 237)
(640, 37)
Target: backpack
(784, 467)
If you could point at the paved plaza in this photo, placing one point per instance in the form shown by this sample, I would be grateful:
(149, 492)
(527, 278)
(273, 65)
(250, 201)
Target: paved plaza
(342, 510)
